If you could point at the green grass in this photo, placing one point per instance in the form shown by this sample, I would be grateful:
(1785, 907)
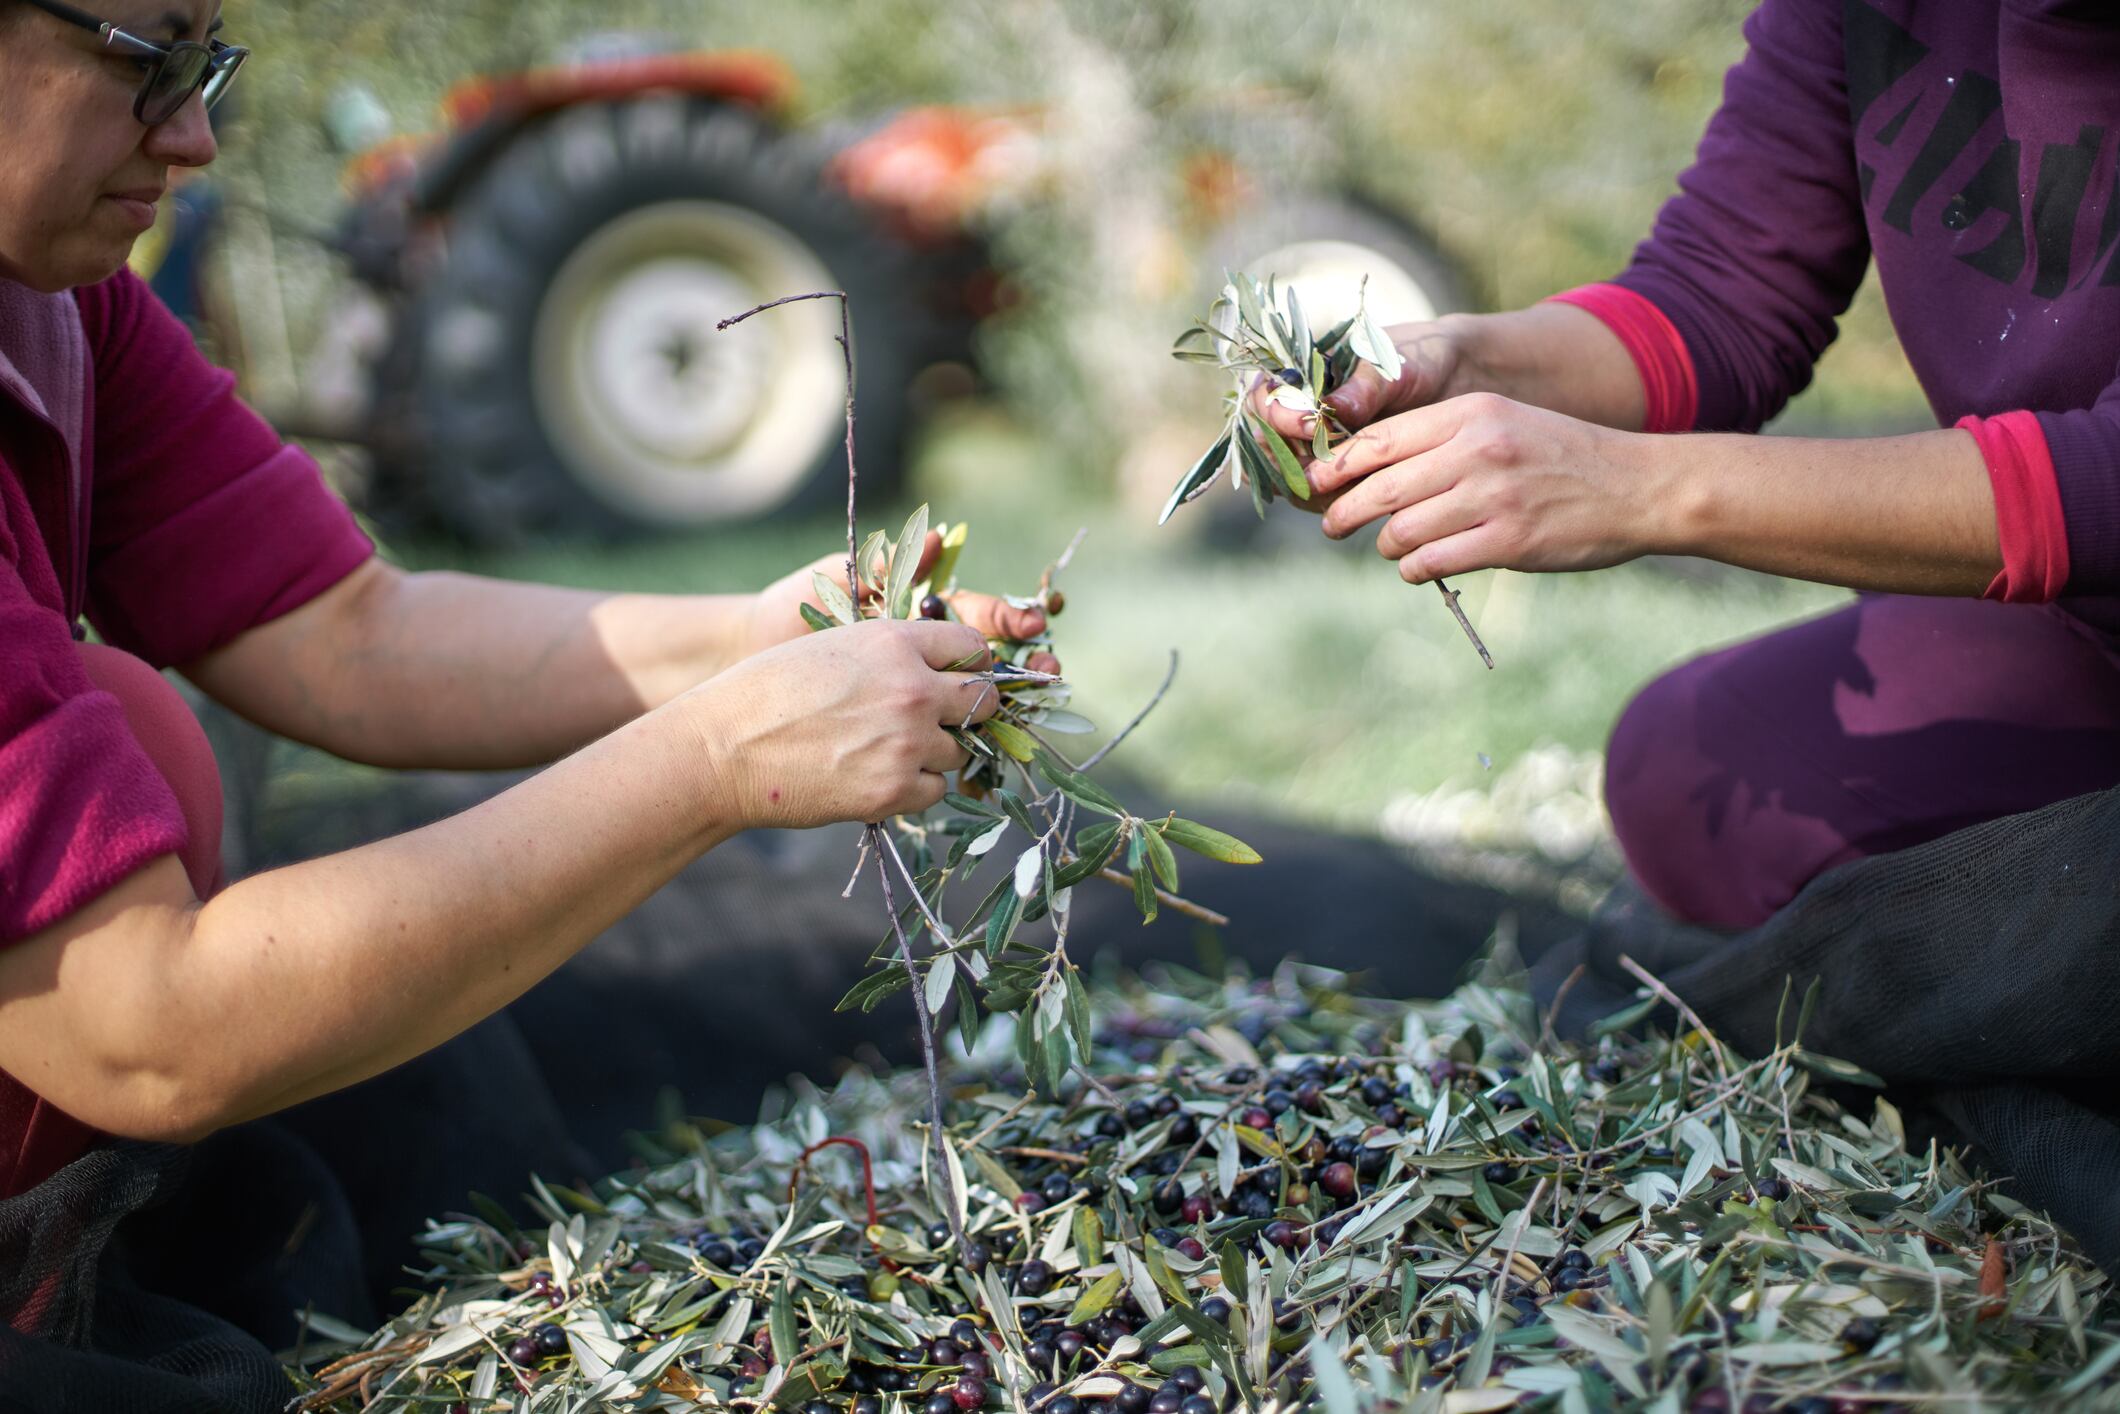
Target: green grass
(1313, 683)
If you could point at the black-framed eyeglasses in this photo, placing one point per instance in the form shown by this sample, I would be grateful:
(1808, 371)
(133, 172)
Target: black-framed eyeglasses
(174, 72)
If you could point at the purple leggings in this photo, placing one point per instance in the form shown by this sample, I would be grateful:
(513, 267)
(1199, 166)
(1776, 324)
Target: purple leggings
(1736, 779)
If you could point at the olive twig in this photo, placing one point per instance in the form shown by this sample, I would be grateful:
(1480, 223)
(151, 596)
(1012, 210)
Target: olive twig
(1450, 597)
(846, 351)
(1169, 677)
(1171, 901)
(927, 1055)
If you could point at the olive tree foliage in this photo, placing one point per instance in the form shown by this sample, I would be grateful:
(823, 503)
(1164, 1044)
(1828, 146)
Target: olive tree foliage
(1535, 139)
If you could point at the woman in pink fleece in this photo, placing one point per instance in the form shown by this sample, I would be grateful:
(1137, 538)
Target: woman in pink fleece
(1972, 149)
(138, 495)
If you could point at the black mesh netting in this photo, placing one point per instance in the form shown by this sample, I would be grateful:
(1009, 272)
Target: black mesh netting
(1979, 974)
(78, 1332)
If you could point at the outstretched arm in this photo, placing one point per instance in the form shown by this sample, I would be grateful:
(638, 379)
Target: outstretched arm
(460, 672)
(148, 1014)
(1481, 481)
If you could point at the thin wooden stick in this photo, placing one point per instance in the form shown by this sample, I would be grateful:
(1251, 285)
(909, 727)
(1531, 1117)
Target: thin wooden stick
(1171, 901)
(1450, 597)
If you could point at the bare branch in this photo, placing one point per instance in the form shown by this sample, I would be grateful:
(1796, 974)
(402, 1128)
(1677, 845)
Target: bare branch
(943, 935)
(1655, 985)
(846, 350)
(1141, 716)
(1171, 901)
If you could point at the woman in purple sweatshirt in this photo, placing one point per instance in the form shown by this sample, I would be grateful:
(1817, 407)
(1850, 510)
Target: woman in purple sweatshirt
(1969, 147)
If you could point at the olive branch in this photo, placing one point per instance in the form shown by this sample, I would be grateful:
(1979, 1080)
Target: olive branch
(1258, 332)
(1016, 779)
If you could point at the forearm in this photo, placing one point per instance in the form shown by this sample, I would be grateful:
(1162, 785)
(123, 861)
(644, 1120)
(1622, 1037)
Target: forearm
(1911, 515)
(180, 1018)
(1554, 356)
(454, 671)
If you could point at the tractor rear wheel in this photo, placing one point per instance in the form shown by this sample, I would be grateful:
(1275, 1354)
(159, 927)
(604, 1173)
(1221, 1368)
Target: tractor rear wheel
(570, 378)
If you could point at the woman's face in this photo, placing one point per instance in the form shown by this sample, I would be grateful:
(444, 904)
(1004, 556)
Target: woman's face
(79, 175)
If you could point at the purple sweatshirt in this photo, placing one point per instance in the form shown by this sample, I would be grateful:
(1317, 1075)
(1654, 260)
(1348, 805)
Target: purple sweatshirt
(1969, 146)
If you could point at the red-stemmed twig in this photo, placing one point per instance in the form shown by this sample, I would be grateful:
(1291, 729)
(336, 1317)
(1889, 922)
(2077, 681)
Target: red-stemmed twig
(868, 1171)
(868, 1186)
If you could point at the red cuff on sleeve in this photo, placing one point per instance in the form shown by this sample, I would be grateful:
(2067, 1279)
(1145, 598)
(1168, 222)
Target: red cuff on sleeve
(2028, 517)
(1669, 384)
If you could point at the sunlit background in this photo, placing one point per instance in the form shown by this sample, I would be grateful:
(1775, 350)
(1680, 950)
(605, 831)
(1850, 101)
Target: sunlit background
(493, 323)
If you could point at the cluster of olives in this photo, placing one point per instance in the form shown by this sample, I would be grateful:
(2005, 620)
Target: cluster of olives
(731, 1252)
(543, 1340)
(963, 1360)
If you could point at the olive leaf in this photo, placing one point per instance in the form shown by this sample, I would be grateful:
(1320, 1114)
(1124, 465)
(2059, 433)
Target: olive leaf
(905, 563)
(1212, 843)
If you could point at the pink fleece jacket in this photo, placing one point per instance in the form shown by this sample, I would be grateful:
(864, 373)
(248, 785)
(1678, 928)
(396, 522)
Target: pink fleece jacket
(137, 492)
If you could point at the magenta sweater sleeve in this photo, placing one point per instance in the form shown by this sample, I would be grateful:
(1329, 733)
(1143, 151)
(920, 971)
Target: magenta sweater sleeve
(204, 522)
(81, 806)
(1764, 245)
(2085, 447)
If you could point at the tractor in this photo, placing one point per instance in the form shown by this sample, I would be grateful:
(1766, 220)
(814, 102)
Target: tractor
(536, 287)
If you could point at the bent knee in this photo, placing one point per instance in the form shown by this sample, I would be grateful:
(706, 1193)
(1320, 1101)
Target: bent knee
(1698, 835)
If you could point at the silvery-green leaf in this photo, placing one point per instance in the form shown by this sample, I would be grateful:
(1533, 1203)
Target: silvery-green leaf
(1052, 1011)
(1258, 467)
(1371, 344)
(1652, 1190)
(834, 598)
(1285, 462)
(1596, 1337)
(1334, 1387)
(941, 974)
(1303, 349)
(1374, 347)
(1030, 867)
(872, 559)
(905, 564)
(594, 1352)
(1796, 1352)
(987, 841)
(487, 1379)
(332, 1328)
(1698, 1168)
(1056, 719)
(560, 1253)
(1253, 309)
(957, 1184)
(1198, 478)
(1295, 399)
(455, 1341)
